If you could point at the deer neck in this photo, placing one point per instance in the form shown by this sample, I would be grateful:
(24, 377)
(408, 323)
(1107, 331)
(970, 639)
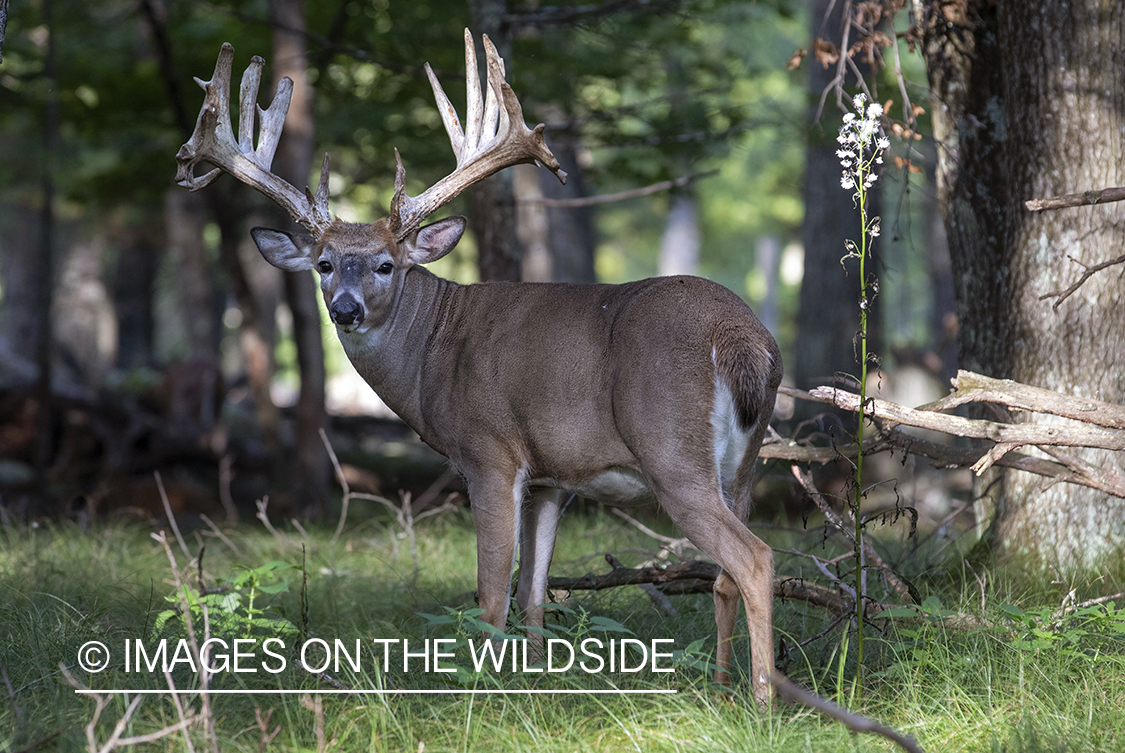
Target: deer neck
(392, 357)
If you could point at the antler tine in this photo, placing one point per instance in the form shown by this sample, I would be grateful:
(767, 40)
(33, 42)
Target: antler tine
(213, 141)
(495, 137)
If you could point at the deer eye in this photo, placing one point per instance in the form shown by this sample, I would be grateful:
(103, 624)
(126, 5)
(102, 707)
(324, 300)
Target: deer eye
(385, 268)
(324, 267)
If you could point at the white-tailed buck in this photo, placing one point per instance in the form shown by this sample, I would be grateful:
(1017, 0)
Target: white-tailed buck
(659, 388)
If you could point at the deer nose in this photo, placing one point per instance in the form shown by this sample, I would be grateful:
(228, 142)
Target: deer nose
(347, 311)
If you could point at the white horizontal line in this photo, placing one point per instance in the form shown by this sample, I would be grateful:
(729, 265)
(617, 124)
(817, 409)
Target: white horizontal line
(288, 691)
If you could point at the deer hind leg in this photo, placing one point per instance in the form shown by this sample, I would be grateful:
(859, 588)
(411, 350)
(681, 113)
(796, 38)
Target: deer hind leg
(496, 500)
(537, 543)
(747, 565)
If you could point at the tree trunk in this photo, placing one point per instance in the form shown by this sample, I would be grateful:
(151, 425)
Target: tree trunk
(679, 246)
(185, 220)
(572, 236)
(294, 162)
(1016, 125)
(134, 281)
(492, 202)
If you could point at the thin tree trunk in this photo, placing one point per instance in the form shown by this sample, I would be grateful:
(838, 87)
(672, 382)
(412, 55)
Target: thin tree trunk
(253, 331)
(84, 319)
(680, 244)
(134, 281)
(185, 221)
(492, 202)
(767, 259)
(294, 163)
(1013, 126)
(571, 233)
(45, 280)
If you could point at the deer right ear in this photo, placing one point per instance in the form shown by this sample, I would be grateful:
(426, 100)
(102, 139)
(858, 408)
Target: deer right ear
(293, 253)
(430, 243)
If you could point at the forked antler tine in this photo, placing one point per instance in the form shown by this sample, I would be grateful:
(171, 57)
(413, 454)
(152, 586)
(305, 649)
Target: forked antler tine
(495, 137)
(214, 141)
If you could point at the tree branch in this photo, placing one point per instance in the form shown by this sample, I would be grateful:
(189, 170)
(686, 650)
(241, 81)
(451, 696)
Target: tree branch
(855, 722)
(554, 16)
(633, 193)
(1086, 198)
(1090, 272)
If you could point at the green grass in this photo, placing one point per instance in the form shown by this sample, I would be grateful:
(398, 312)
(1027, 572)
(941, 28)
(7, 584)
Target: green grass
(953, 689)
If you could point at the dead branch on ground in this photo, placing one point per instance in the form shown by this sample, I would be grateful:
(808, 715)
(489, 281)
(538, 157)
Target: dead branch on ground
(793, 693)
(1100, 425)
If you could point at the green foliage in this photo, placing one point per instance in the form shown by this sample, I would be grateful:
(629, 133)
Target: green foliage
(1093, 633)
(954, 689)
(233, 606)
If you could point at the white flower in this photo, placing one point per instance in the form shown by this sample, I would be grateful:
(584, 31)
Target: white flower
(847, 182)
(882, 142)
(858, 101)
(849, 117)
(874, 110)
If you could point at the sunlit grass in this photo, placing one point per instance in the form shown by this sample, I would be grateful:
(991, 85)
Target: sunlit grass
(953, 689)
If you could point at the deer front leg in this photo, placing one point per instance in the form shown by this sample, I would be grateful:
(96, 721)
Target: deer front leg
(496, 500)
(537, 544)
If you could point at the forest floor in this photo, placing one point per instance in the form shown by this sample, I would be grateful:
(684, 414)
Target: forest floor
(1016, 677)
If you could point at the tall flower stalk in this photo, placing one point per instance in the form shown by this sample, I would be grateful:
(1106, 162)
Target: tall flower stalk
(861, 147)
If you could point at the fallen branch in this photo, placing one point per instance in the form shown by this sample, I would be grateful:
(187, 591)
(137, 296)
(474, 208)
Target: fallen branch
(1006, 436)
(977, 388)
(793, 693)
(697, 576)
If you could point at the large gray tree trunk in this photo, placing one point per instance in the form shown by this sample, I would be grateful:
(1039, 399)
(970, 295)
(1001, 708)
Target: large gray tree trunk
(1028, 103)
(310, 466)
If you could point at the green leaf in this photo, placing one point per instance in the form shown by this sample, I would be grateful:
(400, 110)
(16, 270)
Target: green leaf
(608, 625)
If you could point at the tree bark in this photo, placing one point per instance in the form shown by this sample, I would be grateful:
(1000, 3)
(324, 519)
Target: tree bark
(1013, 125)
(310, 465)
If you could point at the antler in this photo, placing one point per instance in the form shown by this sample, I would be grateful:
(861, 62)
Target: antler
(495, 137)
(214, 142)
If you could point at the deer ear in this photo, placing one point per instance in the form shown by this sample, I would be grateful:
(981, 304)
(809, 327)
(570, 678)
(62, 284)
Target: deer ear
(293, 253)
(434, 241)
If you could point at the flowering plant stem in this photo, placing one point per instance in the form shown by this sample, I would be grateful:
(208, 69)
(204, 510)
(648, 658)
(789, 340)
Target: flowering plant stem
(861, 150)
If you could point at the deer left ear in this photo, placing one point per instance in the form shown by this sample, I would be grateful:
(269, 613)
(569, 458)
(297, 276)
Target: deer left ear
(293, 253)
(434, 241)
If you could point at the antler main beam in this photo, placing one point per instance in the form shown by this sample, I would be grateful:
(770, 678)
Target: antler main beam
(495, 137)
(213, 141)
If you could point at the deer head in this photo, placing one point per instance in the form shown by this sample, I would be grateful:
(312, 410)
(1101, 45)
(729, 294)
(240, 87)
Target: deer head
(361, 266)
